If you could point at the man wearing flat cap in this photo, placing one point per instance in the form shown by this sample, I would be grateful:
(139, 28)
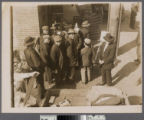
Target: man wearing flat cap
(71, 54)
(106, 58)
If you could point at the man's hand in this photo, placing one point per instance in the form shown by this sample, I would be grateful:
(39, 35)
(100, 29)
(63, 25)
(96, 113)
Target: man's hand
(56, 71)
(101, 61)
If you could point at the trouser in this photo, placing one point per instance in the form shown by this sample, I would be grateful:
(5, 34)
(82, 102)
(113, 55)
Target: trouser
(58, 77)
(106, 76)
(47, 77)
(85, 74)
(35, 89)
(72, 71)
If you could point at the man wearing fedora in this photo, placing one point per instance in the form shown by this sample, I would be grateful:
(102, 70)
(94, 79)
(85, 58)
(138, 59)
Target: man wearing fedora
(63, 50)
(35, 87)
(71, 54)
(57, 58)
(85, 29)
(53, 29)
(106, 58)
(78, 42)
(32, 57)
(45, 47)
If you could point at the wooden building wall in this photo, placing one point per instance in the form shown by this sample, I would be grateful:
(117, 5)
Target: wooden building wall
(25, 23)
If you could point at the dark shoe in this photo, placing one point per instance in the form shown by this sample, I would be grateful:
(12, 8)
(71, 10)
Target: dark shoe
(109, 83)
(101, 84)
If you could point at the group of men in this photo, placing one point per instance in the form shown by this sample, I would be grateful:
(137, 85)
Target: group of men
(56, 56)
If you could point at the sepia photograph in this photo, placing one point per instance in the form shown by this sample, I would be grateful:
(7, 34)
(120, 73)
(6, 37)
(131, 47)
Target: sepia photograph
(72, 57)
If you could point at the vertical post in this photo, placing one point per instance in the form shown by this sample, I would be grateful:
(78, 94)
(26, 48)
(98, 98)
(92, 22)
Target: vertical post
(11, 52)
(114, 21)
(118, 30)
(109, 9)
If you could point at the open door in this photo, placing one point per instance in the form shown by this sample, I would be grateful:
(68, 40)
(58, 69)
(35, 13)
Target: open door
(49, 14)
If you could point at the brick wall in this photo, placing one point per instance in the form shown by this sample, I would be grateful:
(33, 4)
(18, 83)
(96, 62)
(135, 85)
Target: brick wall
(25, 23)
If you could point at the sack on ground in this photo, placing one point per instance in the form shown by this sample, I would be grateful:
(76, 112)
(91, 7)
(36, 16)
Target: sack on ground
(103, 95)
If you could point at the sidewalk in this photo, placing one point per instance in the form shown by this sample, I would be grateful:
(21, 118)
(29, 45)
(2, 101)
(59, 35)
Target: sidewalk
(126, 74)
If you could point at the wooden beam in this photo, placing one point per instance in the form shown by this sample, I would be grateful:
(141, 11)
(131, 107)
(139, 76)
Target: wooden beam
(11, 51)
(114, 22)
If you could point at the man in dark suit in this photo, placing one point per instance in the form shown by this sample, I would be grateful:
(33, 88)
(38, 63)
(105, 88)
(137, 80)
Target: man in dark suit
(79, 43)
(57, 58)
(85, 29)
(71, 54)
(45, 47)
(107, 55)
(35, 62)
(32, 57)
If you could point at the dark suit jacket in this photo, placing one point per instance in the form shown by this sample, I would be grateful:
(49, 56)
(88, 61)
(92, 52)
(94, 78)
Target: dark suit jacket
(45, 51)
(71, 53)
(33, 59)
(87, 56)
(108, 55)
(56, 57)
(85, 32)
(78, 42)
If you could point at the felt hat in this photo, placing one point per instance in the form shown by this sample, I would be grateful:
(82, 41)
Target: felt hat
(58, 32)
(28, 41)
(45, 27)
(71, 31)
(108, 37)
(53, 27)
(85, 24)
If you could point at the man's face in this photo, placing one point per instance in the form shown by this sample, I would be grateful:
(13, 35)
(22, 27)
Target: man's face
(45, 32)
(58, 43)
(46, 40)
(71, 35)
